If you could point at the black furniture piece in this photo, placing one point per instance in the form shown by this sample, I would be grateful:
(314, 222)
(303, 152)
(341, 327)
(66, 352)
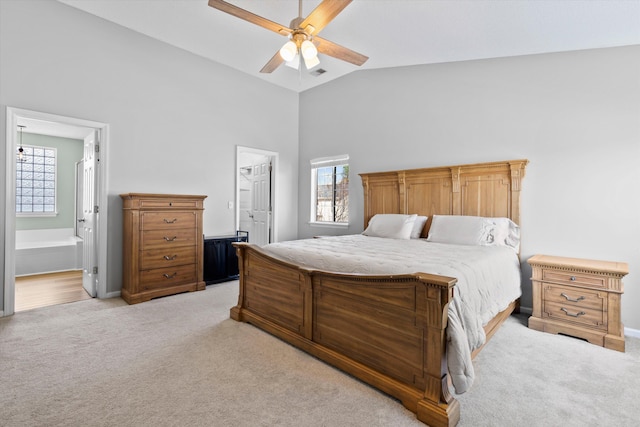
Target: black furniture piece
(220, 260)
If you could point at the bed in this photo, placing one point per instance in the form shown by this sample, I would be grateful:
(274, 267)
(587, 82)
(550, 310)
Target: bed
(387, 329)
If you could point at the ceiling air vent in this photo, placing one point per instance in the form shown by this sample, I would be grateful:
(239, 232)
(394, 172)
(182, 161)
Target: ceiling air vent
(318, 72)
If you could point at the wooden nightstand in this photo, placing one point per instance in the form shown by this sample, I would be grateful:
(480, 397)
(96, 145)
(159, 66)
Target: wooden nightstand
(578, 297)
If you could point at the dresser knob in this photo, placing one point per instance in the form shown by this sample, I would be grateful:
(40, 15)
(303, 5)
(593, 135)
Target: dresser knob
(573, 278)
(170, 221)
(166, 276)
(170, 258)
(170, 239)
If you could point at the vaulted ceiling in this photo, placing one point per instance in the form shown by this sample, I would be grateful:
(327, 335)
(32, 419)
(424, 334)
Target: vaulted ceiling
(391, 33)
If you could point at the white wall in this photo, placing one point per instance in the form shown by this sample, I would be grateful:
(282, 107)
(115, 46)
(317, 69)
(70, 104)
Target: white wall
(175, 118)
(575, 116)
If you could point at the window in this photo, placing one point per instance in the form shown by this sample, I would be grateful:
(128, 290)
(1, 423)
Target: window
(36, 181)
(330, 190)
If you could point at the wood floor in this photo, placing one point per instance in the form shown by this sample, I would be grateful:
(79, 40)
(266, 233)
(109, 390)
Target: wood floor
(42, 290)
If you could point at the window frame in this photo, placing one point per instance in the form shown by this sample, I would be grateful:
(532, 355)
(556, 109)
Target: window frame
(55, 184)
(333, 161)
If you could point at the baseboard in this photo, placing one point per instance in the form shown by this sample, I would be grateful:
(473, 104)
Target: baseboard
(632, 332)
(526, 310)
(112, 295)
(1, 313)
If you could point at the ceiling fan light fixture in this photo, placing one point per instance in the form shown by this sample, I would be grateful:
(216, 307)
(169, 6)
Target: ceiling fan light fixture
(311, 62)
(289, 51)
(308, 50)
(294, 63)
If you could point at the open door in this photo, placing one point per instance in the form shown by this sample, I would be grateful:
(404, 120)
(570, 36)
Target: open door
(90, 214)
(256, 188)
(261, 206)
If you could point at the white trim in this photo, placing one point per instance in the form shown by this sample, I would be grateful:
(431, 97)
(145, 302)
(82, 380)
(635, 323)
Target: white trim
(328, 224)
(10, 214)
(13, 115)
(114, 294)
(321, 162)
(632, 332)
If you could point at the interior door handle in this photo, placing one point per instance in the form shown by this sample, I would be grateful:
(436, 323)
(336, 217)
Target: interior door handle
(81, 220)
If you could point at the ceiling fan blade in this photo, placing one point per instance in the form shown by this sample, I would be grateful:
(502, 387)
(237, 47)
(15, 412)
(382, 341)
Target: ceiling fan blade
(273, 63)
(339, 52)
(250, 17)
(323, 14)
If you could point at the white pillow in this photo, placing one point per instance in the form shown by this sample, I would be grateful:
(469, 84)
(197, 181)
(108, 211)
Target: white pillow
(507, 233)
(393, 226)
(418, 225)
(458, 230)
(474, 230)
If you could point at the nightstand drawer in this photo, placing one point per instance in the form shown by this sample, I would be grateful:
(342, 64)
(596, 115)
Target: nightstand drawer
(574, 279)
(579, 315)
(575, 297)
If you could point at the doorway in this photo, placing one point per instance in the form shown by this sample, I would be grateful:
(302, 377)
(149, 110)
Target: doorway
(256, 172)
(94, 135)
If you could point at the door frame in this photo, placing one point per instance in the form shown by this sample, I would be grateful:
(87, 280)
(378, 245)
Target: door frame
(13, 117)
(274, 156)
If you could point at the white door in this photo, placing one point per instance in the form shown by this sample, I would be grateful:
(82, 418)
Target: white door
(261, 203)
(79, 198)
(89, 214)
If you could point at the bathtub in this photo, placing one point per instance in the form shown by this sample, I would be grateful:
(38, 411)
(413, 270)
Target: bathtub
(47, 251)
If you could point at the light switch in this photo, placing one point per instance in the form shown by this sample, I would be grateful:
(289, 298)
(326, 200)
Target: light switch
(230, 205)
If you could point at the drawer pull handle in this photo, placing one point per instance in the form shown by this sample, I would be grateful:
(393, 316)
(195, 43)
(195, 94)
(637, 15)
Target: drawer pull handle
(167, 276)
(170, 239)
(578, 314)
(170, 221)
(573, 278)
(580, 298)
(170, 258)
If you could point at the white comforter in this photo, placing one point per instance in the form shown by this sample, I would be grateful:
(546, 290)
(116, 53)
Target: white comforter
(488, 280)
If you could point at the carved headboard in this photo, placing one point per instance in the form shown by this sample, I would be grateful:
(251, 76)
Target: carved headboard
(481, 189)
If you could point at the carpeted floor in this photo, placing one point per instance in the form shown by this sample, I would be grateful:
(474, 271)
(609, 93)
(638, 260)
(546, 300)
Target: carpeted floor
(180, 361)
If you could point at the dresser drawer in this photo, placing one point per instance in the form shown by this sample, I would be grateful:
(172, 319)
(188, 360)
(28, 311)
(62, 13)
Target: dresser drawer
(574, 279)
(167, 257)
(160, 278)
(575, 297)
(170, 204)
(167, 220)
(573, 314)
(165, 239)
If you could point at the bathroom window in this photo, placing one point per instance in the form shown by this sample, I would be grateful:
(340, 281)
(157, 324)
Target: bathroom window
(36, 181)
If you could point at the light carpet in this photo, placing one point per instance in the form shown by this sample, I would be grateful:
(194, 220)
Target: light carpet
(180, 361)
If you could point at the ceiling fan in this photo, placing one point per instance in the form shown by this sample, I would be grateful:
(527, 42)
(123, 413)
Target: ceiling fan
(302, 33)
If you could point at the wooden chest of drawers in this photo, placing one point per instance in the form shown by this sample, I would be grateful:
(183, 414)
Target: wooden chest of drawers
(578, 297)
(162, 245)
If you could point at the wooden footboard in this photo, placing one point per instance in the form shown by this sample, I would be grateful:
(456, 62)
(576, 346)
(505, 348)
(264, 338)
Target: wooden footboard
(388, 331)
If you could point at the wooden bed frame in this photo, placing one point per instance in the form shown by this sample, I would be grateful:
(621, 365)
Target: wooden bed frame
(388, 331)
